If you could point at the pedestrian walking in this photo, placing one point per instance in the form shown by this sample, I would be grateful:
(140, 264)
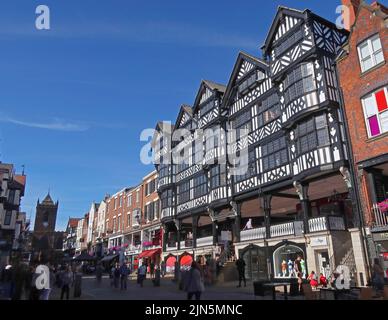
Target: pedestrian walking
(194, 285)
(116, 275)
(66, 277)
(99, 272)
(152, 269)
(45, 292)
(378, 278)
(163, 268)
(78, 284)
(111, 276)
(142, 273)
(240, 264)
(124, 271)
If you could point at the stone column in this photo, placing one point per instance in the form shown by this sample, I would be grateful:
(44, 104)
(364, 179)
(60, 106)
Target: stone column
(236, 207)
(165, 238)
(266, 203)
(302, 191)
(195, 226)
(178, 224)
(215, 232)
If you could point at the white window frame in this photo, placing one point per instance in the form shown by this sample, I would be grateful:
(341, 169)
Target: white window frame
(372, 53)
(378, 113)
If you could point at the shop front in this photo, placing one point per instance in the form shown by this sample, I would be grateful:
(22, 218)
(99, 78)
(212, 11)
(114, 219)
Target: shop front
(279, 261)
(150, 256)
(381, 242)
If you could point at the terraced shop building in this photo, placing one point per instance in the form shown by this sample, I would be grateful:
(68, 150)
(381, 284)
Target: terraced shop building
(295, 197)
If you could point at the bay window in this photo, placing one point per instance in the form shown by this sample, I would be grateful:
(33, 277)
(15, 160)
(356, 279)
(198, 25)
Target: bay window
(299, 82)
(274, 154)
(183, 192)
(200, 186)
(217, 176)
(246, 167)
(312, 134)
(376, 112)
(242, 124)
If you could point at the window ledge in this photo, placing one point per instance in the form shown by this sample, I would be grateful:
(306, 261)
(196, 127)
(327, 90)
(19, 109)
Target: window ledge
(377, 66)
(380, 136)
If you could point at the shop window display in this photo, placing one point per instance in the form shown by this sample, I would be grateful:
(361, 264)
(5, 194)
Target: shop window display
(288, 261)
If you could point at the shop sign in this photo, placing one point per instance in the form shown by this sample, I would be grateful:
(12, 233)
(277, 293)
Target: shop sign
(318, 241)
(132, 252)
(380, 236)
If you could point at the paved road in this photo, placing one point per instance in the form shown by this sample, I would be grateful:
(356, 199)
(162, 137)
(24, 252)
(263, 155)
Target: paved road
(168, 290)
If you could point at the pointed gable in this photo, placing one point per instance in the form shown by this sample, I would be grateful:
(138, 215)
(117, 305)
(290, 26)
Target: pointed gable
(185, 115)
(206, 91)
(244, 65)
(285, 20)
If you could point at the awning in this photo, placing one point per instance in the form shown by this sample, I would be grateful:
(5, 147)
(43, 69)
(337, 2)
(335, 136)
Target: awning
(84, 257)
(186, 260)
(149, 253)
(109, 258)
(171, 261)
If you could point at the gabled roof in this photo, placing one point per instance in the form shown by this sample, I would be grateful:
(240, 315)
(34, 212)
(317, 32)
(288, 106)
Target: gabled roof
(215, 86)
(281, 12)
(185, 109)
(242, 56)
(212, 86)
(73, 222)
(161, 126)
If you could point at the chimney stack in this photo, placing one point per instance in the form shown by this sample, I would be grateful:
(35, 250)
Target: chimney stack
(349, 15)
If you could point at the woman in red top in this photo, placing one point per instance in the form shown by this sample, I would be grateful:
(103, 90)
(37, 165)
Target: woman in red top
(322, 280)
(313, 280)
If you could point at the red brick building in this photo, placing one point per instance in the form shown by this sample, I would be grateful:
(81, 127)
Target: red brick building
(363, 73)
(152, 233)
(115, 218)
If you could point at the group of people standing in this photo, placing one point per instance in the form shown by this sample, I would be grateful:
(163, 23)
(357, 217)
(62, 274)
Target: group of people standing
(20, 281)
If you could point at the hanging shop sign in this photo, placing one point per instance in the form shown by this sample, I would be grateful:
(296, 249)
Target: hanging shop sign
(318, 241)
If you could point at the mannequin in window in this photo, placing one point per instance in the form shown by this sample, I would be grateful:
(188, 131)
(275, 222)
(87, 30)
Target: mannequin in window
(248, 225)
(303, 268)
(290, 268)
(284, 268)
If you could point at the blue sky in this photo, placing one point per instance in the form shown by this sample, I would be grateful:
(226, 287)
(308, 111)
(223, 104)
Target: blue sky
(74, 99)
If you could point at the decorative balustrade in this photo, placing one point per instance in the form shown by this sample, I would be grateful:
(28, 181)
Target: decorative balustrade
(318, 224)
(252, 234)
(205, 241)
(284, 229)
(333, 223)
(380, 217)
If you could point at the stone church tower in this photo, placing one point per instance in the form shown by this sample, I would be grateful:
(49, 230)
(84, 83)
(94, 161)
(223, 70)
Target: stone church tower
(45, 239)
(46, 215)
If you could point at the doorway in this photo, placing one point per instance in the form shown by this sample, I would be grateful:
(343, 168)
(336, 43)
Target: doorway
(256, 263)
(323, 262)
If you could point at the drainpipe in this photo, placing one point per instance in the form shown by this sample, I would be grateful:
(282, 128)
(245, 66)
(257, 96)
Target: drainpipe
(353, 176)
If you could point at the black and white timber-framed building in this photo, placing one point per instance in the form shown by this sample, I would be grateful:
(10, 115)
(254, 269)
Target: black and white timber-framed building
(295, 198)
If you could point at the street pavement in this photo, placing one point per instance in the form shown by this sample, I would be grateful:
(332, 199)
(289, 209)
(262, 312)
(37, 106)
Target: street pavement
(168, 290)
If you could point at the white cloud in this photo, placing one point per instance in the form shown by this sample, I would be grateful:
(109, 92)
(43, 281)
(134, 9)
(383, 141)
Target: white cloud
(56, 124)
